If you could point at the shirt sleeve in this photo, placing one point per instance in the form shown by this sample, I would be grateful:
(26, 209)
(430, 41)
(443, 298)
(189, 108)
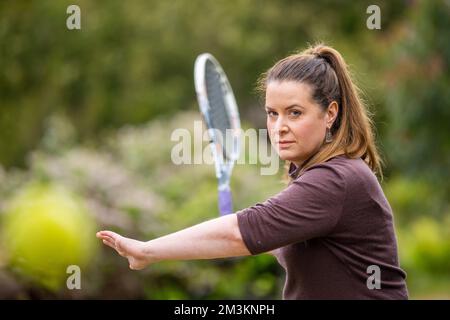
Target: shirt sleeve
(309, 207)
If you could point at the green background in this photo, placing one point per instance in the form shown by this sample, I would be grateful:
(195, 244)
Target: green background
(92, 110)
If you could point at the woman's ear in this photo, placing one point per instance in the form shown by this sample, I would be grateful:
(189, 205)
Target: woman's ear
(332, 112)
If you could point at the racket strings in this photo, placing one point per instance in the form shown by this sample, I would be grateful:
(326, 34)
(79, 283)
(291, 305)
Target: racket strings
(218, 114)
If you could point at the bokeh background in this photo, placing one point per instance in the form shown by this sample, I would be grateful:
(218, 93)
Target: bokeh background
(86, 117)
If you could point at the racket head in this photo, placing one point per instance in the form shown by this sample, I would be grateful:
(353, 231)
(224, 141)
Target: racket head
(219, 110)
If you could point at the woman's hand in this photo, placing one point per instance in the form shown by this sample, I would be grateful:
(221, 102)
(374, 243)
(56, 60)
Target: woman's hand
(131, 249)
(216, 238)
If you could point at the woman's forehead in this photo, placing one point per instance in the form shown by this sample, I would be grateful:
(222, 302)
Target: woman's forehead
(284, 93)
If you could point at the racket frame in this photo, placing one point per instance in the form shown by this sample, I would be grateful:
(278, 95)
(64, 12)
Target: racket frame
(224, 158)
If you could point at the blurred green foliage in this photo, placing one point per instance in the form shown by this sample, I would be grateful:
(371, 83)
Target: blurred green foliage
(132, 61)
(93, 110)
(131, 186)
(418, 82)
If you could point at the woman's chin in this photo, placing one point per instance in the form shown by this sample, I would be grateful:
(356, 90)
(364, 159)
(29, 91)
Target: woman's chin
(288, 156)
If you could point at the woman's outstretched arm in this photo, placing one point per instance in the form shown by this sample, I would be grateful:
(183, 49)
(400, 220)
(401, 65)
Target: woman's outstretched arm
(216, 238)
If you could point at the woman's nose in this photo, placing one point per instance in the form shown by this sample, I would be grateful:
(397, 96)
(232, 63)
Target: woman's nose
(280, 126)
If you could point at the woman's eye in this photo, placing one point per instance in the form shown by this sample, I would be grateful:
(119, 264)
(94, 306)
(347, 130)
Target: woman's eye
(271, 113)
(295, 113)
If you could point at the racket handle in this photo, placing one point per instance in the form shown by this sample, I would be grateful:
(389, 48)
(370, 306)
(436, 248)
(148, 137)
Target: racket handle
(225, 202)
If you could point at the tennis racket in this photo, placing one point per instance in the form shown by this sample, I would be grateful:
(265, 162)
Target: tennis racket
(220, 114)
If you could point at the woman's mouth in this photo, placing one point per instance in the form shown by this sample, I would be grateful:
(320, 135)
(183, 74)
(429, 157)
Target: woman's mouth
(284, 144)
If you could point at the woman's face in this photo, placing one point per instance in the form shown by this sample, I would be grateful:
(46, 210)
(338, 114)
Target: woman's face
(296, 124)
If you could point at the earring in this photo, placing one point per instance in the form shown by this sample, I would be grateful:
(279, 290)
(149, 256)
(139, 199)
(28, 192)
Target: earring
(328, 136)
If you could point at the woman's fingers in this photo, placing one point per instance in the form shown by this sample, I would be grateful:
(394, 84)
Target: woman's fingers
(115, 247)
(127, 248)
(109, 244)
(107, 233)
(107, 238)
(121, 245)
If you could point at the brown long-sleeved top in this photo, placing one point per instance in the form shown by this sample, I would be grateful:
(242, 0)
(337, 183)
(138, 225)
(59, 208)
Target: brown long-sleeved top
(332, 226)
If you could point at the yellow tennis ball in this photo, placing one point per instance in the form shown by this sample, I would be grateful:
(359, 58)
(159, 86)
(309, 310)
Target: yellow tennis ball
(46, 229)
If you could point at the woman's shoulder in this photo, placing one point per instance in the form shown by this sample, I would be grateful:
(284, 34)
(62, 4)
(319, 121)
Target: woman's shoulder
(342, 175)
(342, 167)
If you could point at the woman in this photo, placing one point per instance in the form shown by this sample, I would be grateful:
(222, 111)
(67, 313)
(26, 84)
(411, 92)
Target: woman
(331, 228)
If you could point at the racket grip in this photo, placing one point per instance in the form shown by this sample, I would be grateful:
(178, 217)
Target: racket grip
(225, 202)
